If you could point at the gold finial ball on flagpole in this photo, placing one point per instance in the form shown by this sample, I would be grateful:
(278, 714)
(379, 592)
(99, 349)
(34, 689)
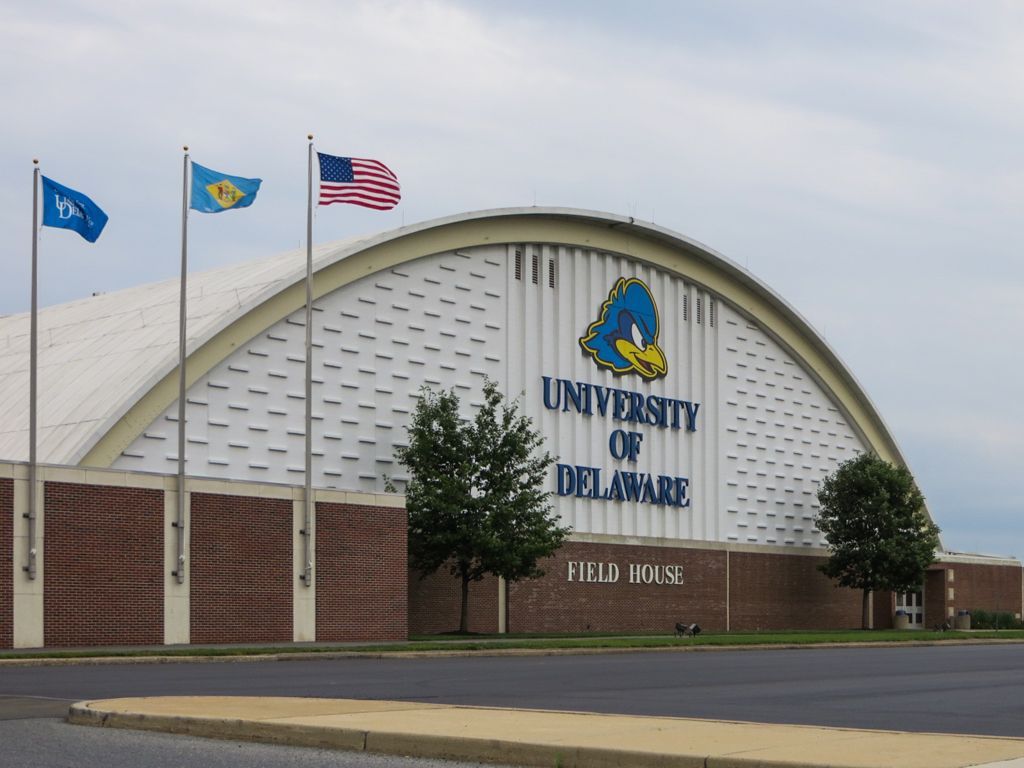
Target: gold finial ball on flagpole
(185, 147)
(310, 136)
(35, 161)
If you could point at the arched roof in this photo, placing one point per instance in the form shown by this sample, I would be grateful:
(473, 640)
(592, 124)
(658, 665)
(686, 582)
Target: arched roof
(108, 364)
(100, 354)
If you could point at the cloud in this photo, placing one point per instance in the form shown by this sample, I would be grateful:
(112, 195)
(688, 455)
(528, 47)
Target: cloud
(864, 159)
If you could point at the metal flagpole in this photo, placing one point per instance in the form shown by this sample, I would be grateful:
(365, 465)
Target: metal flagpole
(307, 522)
(179, 523)
(33, 366)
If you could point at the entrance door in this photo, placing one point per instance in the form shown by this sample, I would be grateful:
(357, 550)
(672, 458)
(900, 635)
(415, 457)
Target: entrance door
(913, 604)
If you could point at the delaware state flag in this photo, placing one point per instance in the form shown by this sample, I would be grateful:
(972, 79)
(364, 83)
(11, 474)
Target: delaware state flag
(213, 192)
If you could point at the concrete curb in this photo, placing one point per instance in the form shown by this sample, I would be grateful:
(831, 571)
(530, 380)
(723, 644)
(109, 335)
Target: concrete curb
(218, 728)
(483, 652)
(540, 738)
(435, 747)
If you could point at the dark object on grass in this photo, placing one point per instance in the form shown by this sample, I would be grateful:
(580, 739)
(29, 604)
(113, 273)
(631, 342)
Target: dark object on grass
(687, 630)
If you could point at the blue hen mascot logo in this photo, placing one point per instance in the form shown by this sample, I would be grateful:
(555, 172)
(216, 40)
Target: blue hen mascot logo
(625, 336)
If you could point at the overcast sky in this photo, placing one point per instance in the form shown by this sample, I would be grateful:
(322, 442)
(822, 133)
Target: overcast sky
(865, 159)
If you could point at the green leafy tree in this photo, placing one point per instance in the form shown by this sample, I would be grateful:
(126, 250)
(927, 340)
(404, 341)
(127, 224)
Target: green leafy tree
(879, 535)
(475, 496)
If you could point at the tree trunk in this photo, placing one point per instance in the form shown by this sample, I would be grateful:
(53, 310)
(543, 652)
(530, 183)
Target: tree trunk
(865, 615)
(464, 613)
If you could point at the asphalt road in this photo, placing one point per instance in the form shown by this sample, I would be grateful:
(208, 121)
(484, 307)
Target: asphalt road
(51, 743)
(950, 689)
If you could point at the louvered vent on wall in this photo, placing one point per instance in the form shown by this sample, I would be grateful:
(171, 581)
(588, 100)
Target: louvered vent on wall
(519, 263)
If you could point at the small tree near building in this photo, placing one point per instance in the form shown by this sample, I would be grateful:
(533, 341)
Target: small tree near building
(475, 496)
(879, 535)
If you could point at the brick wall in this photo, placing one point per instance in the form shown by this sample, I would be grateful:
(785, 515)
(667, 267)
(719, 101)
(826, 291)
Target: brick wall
(435, 602)
(935, 597)
(985, 587)
(242, 573)
(769, 591)
(103, 565)
(552, 603)
(885, 606)
(361, 573)
(6, 563)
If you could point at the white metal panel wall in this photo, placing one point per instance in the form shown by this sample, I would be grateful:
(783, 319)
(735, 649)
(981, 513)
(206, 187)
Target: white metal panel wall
(766, 434)
(781, 436)
(437, 321)
(545, 323)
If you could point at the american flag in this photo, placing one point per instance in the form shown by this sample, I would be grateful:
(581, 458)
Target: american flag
(357, 181)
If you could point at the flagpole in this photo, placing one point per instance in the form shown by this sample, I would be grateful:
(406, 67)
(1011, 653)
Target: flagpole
(33, 376)
(307, 571)
(179, 523)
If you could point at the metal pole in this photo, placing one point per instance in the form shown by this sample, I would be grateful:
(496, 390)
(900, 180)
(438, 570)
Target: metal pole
(179, 523)
(307, 521)
(32, 376)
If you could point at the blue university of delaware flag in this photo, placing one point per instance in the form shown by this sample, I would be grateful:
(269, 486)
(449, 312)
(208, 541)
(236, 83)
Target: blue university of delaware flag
(213, 192)
(65, 208)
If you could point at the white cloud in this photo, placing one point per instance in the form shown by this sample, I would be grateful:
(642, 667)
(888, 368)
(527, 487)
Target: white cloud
(863, 158)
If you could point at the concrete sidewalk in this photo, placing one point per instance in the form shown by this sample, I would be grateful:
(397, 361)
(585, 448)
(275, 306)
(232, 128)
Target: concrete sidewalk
(541, 738)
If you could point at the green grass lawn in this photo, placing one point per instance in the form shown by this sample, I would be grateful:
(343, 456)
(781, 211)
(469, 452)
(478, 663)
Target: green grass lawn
(428, 642)
(541, 642)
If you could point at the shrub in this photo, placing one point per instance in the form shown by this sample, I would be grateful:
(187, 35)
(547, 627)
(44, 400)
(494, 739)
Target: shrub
(994, 620)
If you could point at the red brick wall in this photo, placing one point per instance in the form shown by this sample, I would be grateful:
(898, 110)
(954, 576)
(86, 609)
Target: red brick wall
(885, 606)
(6, 563)
(242, 572)
(935, 597)
(103, 565)
(435, 603)
(554, 604)
(769, 591)
(986, 587)
(361, 573)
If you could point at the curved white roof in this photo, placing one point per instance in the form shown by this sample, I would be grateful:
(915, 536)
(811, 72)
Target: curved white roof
(98, 357)
(96, 354)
